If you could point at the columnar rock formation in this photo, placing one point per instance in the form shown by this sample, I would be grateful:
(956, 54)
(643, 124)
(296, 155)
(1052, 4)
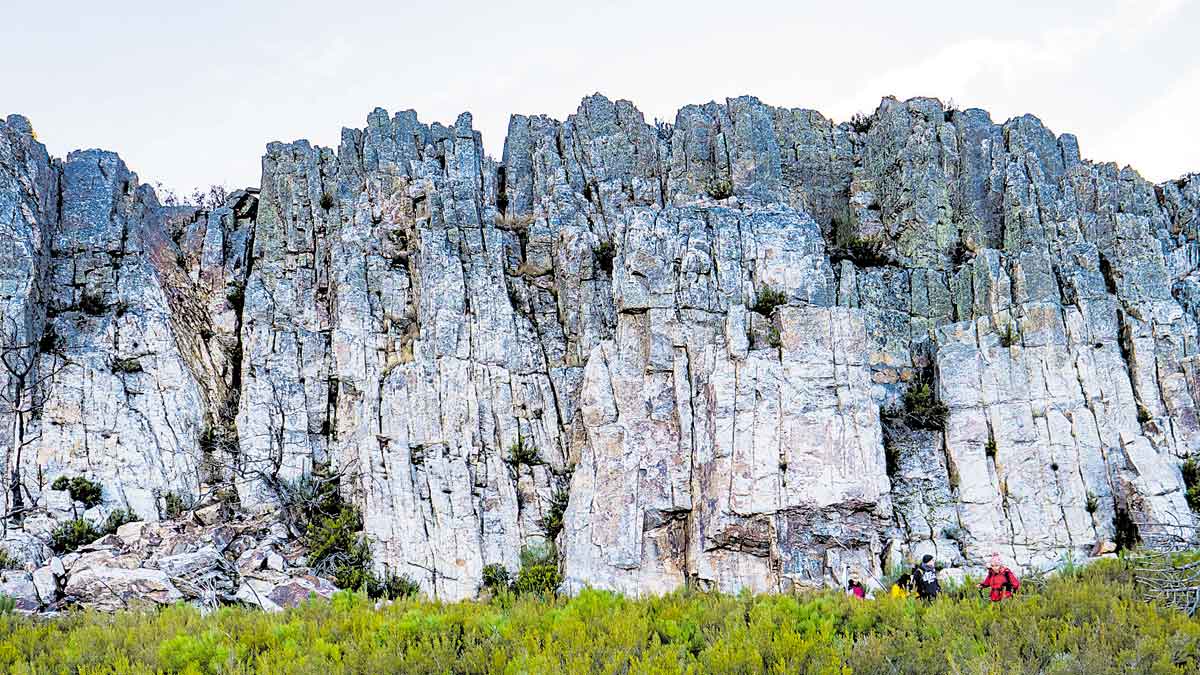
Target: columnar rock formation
(472, 342)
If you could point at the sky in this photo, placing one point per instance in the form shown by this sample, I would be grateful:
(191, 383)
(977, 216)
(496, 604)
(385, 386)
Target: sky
(189, 93)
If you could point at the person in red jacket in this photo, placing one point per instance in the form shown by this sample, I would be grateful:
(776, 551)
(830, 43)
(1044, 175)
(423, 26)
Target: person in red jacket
(1000, 580)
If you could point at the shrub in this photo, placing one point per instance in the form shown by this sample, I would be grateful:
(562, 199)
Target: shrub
(863, 252)
(177, 503)
(82, 490)
(1191, 481)
(1092, 505)
(539, 573)
(9, 561)
(117, 518)
(768, 299)
(719, 188)
(860, 123)
(605, 252)
(990, 448)
(521, 452)
(327, 201)
(496, 577)
(68, 536)
(1096, 623)
(126, 366)
(774, 339)
(552, 522)
(392, 586)
(922, 410)
(8, 604)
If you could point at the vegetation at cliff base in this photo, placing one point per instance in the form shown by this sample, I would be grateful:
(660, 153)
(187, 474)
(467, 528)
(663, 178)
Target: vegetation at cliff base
(1091, 621)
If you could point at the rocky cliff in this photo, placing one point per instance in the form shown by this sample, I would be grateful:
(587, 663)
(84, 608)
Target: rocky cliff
(698, 353)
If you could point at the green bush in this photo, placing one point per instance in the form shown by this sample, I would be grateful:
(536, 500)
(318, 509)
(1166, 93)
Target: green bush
(1191, 480)
(863, 252)
(521, 452)
(496, 577)
(768, 299)
(539, 573)
(553, 520)
(176, 504)
(1094, 624)
(719, 188)
(327, 201)
(922, 410)
(336, 548)
(81, 489)
(392, 586)
(117, 518)
(774, 339)
(7, 604)
(68, 536)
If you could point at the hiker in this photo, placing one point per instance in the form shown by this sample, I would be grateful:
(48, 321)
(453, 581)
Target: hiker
(1001, 580)
(903, 586)
(855, 587)
(925, 579)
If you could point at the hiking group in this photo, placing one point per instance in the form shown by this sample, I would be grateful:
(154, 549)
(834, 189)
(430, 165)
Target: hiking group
(1000, 583)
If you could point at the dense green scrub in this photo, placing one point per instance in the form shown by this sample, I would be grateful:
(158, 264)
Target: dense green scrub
(1092, 623)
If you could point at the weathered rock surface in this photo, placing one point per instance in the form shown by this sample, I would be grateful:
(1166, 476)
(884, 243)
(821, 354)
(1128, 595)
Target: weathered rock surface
(570, 341)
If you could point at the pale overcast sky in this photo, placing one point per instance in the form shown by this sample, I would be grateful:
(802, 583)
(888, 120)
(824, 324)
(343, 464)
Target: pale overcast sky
(189, 93)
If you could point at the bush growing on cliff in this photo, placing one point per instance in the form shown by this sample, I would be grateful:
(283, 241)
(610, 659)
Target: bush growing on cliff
(719, 188)
(68, 536)
(768, 300)
(116, 519)
(553, 520)
(521, 452)
(81, 489)
(1191, 480)
(863, 252)
(922, 409)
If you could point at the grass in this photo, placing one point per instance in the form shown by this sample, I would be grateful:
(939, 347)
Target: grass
(1093, 622)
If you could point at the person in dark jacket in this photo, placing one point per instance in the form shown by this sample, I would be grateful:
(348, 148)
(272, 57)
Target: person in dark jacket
(925, 579)
(1000, 581)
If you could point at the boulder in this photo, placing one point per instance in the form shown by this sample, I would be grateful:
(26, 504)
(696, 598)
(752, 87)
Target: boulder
(21, 588)
(202, 574)
(112, 588)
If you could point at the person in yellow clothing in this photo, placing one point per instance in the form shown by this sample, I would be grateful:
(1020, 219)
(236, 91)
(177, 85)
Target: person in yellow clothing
(902, 588)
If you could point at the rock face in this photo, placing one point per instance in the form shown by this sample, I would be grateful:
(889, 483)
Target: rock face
(679, 350)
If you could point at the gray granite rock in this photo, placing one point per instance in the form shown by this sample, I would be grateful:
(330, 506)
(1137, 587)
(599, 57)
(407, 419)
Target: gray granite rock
(404, 311)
